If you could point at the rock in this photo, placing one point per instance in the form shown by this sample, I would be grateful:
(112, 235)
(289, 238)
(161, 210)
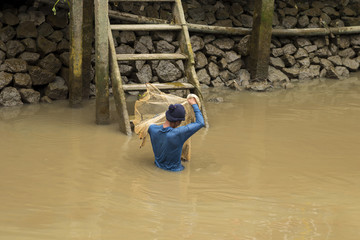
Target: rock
(209, 38)
(145, 74)
(125, 70)
(349, 12)
(347, 53)
(124, 49)
(29, 95)
(325, 63)
(65, 58)
(37, 17)
(231, 56)
(291, 11)
(289, 49)
(164, 47)
(167, 72)
(197, 43)
(147, 41)
(289, 60)
(213, 70)
(30, 45)
(7, 33)
(342, 71)
(63, 46)
(217, 82)
(246, 20)
(277, 52)
(224, 43)
(203, 76)
(335, 60)
(14, 48)
(330, 11)
(291, 72)
(323, 52)
(305, 62)
(216, 99)
(2, 56)
(197, 14)
(46, 99)
(302, 42)
(127, 37)
(330, 73)
(351, 64)
(276, 75)
(301, 53)
(289, 22)
(311, 48)
(200, 60)
(180, 65)
(167, 36)
(325, 19)
(30, 57)
(236, 9)
(317, 4)
(58, 21)
(243, 75)
(212, 50)
(56, 36)
(10, 97)
(227, 75)
(10, 19)
(15, 65)
(45, 29)
(243, 46)
(141, 48)
(222, 14)
(355, 40)
(313, 12)
(234, 67)
(277, 62)
(222, 63)
(314, 70)
(57, 90)
(303, 21)
(40, 76)
(2, 46)
(139, 65)
(315, 60)
(50, 63)
(260, 87)
(320, 42)
(343, 41)
(5, 79)
(45, 46)
(26, 30)
(22, 80)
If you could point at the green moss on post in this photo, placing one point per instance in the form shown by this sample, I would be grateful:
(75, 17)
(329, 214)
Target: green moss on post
(261, 39)
(101, 62)
(75, 69)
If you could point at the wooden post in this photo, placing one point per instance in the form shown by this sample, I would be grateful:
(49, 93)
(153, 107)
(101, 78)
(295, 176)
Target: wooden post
(75, 69)
(88, 36)
(102, 62)
(261, 39)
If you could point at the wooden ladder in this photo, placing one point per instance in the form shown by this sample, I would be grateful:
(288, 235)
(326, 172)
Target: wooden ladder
(186, 54)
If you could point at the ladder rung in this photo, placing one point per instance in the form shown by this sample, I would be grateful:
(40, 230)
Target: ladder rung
(161, 86)
(141, 0)
(145, 27)
(153, 56)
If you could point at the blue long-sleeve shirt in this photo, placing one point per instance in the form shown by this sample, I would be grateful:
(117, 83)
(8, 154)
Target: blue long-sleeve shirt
(167, 142)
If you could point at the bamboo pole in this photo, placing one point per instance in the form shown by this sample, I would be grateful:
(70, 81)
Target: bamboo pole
(88, 36)
(118, 91)
(101, 62)
(76, 53)
(227, 30)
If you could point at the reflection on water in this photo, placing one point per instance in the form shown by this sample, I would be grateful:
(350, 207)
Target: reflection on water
(278, 165)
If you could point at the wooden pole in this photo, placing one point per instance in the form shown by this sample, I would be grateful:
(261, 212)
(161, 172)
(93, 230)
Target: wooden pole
(76, 53)
(260, 39)
(118, 91)
(102, 62)
(88, 36)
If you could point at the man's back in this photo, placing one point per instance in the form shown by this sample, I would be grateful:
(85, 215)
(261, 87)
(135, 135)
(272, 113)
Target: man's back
(167, 142)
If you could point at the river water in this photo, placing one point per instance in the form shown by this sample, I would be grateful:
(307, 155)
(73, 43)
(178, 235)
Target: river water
(275, 165)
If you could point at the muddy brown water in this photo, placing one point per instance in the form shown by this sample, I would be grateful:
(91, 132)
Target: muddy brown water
(277, 165)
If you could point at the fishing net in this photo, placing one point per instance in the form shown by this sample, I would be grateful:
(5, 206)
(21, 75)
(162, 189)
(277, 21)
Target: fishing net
(151, 108)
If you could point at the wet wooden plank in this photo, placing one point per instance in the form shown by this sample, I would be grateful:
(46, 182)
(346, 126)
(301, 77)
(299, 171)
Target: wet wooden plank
(145, 27)
(154, 56)
(161, 86)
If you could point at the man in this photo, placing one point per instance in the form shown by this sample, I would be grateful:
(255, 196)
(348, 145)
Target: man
(168, 139)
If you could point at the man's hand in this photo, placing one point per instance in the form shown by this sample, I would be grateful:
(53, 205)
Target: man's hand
(191, 101)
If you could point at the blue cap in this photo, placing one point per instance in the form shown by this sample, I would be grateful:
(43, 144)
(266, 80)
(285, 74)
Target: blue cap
(175, 113)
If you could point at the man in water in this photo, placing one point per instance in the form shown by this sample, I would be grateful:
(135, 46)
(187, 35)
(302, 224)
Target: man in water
(168, 139)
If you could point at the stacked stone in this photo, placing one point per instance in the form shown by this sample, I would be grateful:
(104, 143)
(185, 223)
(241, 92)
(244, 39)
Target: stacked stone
(34, 47)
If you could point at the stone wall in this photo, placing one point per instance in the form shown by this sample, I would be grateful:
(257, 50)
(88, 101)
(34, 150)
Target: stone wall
(34, 47)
